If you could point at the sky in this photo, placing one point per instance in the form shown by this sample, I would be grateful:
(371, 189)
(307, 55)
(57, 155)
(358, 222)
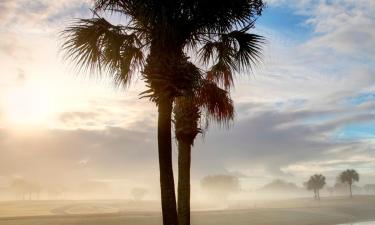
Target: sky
(308, 108)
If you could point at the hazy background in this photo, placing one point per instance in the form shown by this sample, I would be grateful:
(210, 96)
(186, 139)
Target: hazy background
(310, 108)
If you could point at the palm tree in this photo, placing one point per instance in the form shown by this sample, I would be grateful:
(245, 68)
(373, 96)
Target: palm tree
(231, 52)
(315, 183)
(349, 176)
(215, 104)
(155, 41)
(213, 100)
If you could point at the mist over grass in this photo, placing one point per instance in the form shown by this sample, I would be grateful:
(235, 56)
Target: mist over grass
(213, 192)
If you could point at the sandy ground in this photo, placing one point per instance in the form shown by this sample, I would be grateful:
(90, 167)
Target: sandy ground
(328, 211)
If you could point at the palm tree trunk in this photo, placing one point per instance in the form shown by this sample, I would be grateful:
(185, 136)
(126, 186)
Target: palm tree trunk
(350, 188)
(318, 194)
(168, 196)
(184, 162)
(315, 194)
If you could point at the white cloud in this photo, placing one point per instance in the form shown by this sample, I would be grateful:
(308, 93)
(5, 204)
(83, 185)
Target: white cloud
(345, 26)
(39, 15)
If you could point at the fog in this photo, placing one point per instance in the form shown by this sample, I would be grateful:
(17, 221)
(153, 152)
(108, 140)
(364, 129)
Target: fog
(218, 191)
(217, 199)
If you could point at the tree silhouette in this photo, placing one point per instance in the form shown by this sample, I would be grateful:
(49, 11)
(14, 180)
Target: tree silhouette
(349, 176)
(230, 52)
(330, 190)
(315, 183)
(369, 188)
(215, 104)
(279, 185)
(20, 187)
(220, 186)
(138, 193)
(155, 40)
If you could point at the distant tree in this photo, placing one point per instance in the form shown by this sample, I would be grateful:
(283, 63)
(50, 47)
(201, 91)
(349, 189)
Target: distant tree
(25, 188)
(33, 188)
(20, 187)
(339, 187)
(220, 186)
(38, 189)
(369, 188)
(309, 186)
(56, 191)
(30, 189)
(94, 187)
(349, 177)
(315, 183)
(330, 190)
(279, 185)
(138, 193)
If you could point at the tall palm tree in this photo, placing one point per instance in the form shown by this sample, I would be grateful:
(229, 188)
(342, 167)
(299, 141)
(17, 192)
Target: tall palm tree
(155, 41)
(315, 183)
(349, 176)
(215, 104)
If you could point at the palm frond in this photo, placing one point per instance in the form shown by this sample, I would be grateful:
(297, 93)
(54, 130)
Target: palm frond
(192, 113)
(97, 46)
(212, 16)
(221, 74)
(236, 51)
(216, 102)
(222, 55)
(349, 176)
(248, 48)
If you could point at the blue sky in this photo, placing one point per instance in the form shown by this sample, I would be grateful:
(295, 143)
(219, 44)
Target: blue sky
(311, 102)
(357, 131)
(289, 22)
(284, 19)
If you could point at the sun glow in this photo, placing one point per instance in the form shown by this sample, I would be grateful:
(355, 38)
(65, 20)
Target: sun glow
(27, 106)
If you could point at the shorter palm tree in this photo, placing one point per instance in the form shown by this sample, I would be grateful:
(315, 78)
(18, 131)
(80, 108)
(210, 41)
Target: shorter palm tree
(349, 176)
(315, 183)
(212, 103)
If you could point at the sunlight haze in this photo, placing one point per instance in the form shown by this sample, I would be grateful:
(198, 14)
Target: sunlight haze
(307, 108)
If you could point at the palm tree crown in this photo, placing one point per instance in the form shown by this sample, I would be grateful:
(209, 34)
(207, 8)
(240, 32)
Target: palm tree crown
(349, 176)
(315, 183)
(209, 101)
(216, 31)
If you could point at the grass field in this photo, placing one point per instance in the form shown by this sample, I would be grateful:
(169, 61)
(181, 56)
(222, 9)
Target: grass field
(287, 212)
